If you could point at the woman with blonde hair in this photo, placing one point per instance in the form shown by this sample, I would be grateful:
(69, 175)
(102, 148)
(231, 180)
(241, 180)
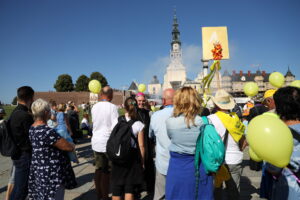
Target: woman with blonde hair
(183, 129)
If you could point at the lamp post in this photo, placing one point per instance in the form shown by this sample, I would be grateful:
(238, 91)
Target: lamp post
(205, 66)
(124, 87)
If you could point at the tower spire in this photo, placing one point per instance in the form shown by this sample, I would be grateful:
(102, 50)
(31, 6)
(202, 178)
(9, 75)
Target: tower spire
(175, 31)
(289, 73)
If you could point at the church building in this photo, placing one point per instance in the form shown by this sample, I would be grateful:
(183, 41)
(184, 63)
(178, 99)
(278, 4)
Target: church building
(176, 76)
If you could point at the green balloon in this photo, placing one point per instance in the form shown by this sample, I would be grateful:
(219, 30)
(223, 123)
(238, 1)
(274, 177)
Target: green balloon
(95, 86)
(270, 139)
(250, 89)
(295, 83)
(271, 114)
(142, 88)
(276, 79)
(253, 155)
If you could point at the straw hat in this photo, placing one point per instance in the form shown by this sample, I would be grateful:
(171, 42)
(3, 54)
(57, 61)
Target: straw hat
(223, 100)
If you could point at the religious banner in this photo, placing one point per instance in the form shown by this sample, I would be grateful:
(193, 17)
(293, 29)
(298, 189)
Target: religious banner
(212, 36)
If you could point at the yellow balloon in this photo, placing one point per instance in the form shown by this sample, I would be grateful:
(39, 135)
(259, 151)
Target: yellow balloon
(276, 79)
(142, 87)
(296, 83)
(253, 155)
(270, 139)
(271, 114)
(94, 86)
(250, 89)
(153, 108)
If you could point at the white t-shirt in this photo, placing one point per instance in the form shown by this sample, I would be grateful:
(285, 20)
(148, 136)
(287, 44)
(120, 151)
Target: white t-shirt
(137, 127)
(233, 154)
(85, 121)
(104, 117)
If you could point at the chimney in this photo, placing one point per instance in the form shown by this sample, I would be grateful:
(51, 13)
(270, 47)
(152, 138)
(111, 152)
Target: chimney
(241, 73)
(233, 72)
(249, 73)
(263, 73)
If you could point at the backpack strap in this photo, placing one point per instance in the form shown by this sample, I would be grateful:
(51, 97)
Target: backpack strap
(130, 123)
(225, 141)
(205, 120)
(295, 135)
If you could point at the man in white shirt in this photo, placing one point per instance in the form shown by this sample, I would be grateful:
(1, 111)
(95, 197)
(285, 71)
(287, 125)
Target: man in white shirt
(159, 130)
(104, 117)
(233, 155)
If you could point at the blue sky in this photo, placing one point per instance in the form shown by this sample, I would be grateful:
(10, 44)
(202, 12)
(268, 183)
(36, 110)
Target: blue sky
(129, 40)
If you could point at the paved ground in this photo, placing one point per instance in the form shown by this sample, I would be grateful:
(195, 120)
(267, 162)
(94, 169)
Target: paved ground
(85, 171)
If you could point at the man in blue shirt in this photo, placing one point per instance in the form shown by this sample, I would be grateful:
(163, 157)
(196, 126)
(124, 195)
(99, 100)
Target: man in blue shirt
(159, 130)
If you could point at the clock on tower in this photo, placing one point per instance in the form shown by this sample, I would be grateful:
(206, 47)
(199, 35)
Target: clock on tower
(175, 46)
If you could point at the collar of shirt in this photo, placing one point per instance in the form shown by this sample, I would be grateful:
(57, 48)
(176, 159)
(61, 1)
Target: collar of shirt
(22, 107)
(169, 106)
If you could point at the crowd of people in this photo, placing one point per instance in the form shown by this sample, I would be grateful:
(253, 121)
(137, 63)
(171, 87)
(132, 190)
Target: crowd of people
(46, 134)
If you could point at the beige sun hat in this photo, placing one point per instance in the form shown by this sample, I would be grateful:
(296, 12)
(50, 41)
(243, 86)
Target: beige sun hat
(223, 100)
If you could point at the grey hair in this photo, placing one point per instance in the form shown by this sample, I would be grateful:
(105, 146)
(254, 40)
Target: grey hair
(39, 108)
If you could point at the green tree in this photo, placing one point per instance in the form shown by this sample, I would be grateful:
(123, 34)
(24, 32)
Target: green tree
(14, 101)
(64, 83)
(98, 76)
(82, 83)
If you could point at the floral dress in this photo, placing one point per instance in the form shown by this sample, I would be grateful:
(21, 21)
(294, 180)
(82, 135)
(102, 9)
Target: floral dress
(50, 167)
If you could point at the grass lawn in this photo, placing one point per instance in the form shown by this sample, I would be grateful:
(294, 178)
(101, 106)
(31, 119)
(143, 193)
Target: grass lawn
(8, 110)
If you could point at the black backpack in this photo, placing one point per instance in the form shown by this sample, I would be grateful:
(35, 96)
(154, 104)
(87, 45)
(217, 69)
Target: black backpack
(119, 148)
(7, 145)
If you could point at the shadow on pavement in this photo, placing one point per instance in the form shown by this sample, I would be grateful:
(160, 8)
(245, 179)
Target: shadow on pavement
(91, 194)
(81, 180)
(84, 151)
(83, 163)
(3, 189)
(246, 162)
(247, 189)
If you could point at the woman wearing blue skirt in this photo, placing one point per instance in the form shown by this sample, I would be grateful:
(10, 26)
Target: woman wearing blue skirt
(183, 130)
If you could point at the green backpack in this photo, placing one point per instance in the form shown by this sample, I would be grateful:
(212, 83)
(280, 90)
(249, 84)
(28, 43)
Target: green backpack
(210, 150)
